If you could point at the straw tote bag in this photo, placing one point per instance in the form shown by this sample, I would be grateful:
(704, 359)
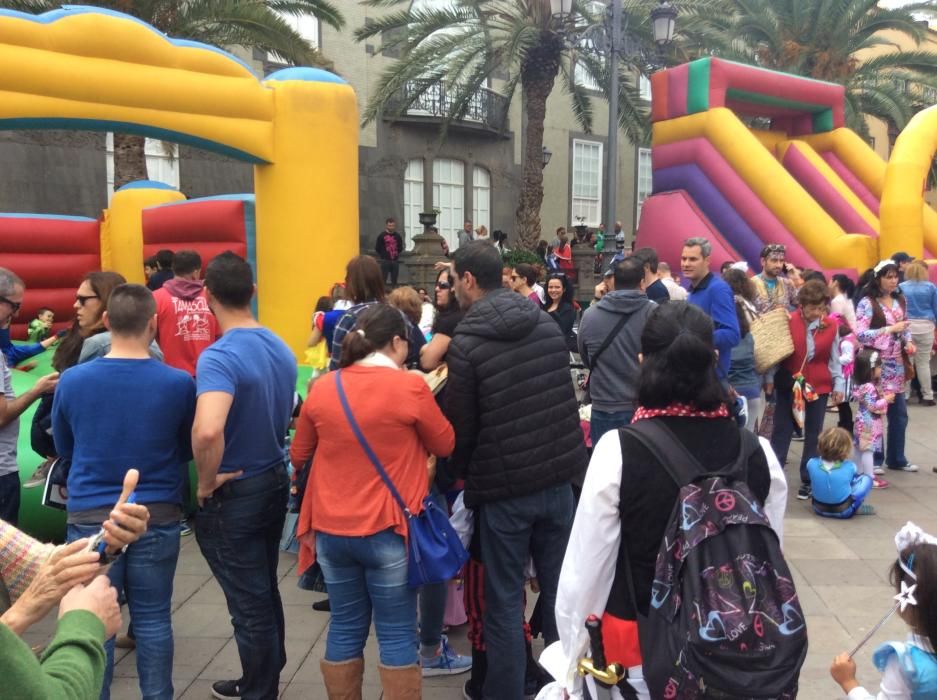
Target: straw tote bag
(771, 332)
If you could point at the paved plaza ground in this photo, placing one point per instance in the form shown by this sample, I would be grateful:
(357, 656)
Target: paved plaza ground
(840, 567)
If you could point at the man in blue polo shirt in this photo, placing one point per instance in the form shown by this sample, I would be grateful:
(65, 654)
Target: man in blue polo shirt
(714, 297)
(120, 411)
(246, 381)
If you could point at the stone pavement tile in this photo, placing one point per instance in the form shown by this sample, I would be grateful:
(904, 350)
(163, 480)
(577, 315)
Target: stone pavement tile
(880, 547)
(816, 548)
(810, 602)
(202, 620)
(184, 586)
(839, 572)
(190, 657)
(808, 525)
(209, 592)
(304, 623)
(201, 690)
(854, 600)
(226, 664)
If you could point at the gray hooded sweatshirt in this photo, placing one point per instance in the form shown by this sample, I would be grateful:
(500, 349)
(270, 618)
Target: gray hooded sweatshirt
(613, 384)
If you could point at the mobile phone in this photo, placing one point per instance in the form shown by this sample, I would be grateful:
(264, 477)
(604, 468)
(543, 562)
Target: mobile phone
(97, 543)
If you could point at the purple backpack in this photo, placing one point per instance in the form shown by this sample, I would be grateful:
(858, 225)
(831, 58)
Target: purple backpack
(724, 619)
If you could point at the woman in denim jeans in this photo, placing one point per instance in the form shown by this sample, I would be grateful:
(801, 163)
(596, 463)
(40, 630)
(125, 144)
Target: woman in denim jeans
(349, 516)
(921, 296)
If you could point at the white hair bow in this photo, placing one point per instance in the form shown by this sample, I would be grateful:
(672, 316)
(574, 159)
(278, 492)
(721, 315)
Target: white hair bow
(907, 537)
(740, 265)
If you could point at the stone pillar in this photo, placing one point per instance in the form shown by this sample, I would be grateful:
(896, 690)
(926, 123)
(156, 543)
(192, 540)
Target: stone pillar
(427, 251)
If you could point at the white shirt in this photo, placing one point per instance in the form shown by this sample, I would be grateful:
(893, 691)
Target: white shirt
(843, 306)
(589, 565)
(676, 292)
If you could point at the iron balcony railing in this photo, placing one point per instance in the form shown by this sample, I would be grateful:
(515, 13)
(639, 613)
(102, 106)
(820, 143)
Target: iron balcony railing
(427, 98)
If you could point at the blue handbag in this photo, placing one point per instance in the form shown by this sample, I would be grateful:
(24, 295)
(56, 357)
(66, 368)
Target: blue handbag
(435, 552)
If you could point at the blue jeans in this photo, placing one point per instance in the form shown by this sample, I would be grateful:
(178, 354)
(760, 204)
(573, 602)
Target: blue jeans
(145, 573)
(895, 434)
(511, 530)
(602, 422)
(814, 413)
(366, 574)
(238, 530)
(10, 497)
(433, 596)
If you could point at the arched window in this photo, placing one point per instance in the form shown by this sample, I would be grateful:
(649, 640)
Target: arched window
(412, 199)
(481, 197)
(449, 197)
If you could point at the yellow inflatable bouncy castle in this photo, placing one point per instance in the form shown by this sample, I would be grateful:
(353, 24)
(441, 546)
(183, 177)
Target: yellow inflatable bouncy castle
(95, 69)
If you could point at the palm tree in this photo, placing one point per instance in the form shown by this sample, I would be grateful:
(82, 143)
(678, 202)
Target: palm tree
(259, 24)
(841, 41)
(464, 43)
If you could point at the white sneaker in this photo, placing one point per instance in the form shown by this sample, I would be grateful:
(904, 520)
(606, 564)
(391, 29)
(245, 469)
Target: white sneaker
(908, 468)
(878, 471)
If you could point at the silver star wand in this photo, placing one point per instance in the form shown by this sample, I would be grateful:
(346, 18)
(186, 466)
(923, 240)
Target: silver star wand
(903, 600)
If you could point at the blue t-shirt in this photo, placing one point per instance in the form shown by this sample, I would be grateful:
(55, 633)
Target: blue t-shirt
(112, 414)
(259, 371)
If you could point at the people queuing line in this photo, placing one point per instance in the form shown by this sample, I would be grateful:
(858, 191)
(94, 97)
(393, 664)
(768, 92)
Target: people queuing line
(488, 429)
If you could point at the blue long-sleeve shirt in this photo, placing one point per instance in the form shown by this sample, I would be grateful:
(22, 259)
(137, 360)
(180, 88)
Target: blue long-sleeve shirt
(17, 353)
(921, 298)
(715, 297)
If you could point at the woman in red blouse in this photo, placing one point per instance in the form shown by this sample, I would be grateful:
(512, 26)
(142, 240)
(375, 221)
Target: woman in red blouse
(348, 515)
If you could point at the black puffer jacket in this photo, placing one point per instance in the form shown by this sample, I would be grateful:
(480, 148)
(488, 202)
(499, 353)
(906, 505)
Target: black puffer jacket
(510, 398)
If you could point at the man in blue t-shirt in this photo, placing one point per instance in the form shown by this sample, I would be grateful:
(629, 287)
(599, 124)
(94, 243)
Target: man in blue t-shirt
(120, 411)
(246, 381)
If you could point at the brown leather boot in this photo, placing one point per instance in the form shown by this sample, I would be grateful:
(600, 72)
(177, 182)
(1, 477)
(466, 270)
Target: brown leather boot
(343, 679)
(401, 682)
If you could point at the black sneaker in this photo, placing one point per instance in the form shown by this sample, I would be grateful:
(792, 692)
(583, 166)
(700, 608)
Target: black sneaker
(470, 692)
(804, 492)
(226, 690)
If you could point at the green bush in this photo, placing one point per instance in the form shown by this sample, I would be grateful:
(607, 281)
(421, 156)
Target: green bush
(513, 258)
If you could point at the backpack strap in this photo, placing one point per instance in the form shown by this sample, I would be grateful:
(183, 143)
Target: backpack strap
(681, 464)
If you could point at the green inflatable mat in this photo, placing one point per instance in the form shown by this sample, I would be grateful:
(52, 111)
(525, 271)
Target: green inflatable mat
(48, 524)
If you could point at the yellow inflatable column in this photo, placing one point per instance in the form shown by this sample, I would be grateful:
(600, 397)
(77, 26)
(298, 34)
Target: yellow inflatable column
(122, 229)
(307, 204)
(902, 209)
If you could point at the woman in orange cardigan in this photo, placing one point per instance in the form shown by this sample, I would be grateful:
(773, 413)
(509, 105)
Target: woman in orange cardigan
(348, 514)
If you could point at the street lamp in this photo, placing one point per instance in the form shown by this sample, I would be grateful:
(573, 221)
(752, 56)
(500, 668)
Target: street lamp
(664, 18)
(561, 8)
(547, 154)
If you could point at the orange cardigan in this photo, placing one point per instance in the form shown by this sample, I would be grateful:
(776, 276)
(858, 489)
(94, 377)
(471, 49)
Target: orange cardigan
(400, 420)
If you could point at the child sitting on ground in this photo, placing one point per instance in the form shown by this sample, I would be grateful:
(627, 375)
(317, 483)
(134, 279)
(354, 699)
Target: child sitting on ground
(838, 491)
(909, 669)
(41, 326)
(867, 425)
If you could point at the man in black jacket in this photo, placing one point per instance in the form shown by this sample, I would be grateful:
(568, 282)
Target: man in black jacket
(518, 446)
(388, 247)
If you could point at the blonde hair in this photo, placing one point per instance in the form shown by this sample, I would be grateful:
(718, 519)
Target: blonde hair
(916, 271)
(835, 445)
(481, 231)
(407, 300)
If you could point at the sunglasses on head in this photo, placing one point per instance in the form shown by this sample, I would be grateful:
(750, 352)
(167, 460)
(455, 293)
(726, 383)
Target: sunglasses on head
(13, 304)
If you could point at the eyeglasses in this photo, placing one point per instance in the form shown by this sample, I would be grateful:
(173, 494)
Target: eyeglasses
(15, 305)
(82, 299)
(443, 285)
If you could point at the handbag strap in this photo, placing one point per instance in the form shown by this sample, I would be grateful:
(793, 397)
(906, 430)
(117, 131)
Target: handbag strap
(593, 361)
(356, 429)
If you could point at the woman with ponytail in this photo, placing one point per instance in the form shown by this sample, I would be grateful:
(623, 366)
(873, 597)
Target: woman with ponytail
(349, 520)
(628, 495)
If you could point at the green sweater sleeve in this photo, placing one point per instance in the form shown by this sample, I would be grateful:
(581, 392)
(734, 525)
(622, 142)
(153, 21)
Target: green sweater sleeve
(72, 666)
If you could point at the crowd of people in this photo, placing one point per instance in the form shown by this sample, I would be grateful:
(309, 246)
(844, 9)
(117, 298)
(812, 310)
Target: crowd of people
(489, 427)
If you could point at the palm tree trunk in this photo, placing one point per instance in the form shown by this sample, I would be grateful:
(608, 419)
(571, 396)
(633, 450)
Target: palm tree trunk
(129, 159)
(537, 78)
